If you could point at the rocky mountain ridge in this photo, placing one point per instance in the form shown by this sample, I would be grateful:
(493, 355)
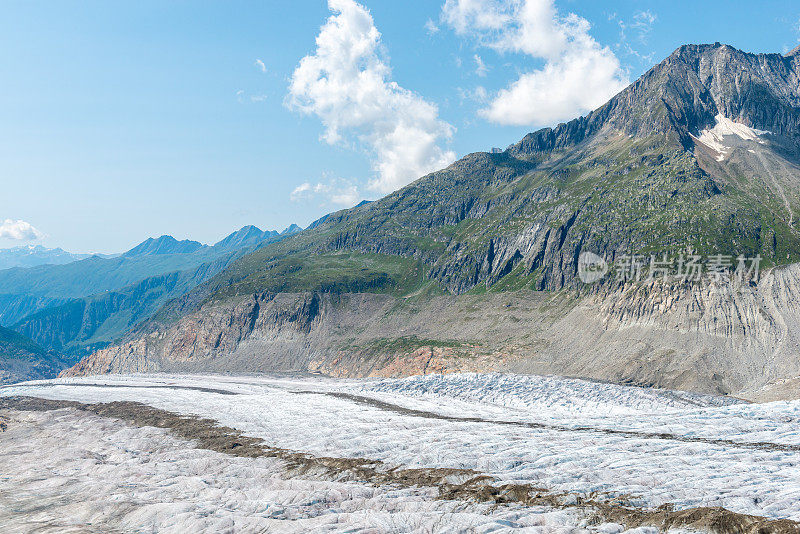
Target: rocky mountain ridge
(611, 181)
(166, 244)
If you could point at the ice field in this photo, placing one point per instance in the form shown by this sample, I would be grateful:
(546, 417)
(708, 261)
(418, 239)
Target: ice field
(578, 439)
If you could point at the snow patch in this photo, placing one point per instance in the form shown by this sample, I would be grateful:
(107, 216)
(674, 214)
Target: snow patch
(714, 138)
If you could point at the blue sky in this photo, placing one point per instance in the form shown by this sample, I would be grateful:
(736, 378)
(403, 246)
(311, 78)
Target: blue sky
(123, 120)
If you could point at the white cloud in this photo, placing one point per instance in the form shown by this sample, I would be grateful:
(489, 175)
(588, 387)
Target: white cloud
(479, 94)
(337, 191)
(640, 25)
(300, 192)
(347, 196)
(643, 23)
(480, 69)
(242, 98)
(465, 16)
(19, 230)
(347, 84)
(261, 66)
(431, 27)
(578, 74)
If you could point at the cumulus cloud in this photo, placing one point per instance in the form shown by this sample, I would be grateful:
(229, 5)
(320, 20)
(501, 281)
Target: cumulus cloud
(578, 74)
(19, 230)
(348, 84)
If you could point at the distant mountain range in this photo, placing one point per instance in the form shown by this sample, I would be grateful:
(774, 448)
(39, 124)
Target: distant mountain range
(247, 236)
(166, 244)
(75, 307)
(33, 255)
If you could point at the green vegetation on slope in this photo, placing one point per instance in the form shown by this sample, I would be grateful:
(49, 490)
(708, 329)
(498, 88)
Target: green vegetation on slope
(15, 345)
(502, 231)
(335, 272)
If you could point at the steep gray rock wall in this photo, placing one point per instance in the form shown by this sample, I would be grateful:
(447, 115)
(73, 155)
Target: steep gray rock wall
(728, 338)
(718, 339)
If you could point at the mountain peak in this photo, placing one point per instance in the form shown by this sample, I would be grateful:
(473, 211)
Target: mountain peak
(166, 244)
(291, 229)
(247, 236)
(794, 52)
(685, 93)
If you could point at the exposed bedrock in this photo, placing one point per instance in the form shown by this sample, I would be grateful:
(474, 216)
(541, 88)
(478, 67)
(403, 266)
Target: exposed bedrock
(727, 338)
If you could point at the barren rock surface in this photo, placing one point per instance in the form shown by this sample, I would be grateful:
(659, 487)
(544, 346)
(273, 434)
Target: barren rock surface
(730, 339)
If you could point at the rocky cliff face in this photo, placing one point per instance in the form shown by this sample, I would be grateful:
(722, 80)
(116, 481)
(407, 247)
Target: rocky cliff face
(719, 338)
(728, 338)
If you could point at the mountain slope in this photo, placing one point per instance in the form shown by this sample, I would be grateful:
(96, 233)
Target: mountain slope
(79, 326)
(633, 176)
(22, 359)
(700, 153)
